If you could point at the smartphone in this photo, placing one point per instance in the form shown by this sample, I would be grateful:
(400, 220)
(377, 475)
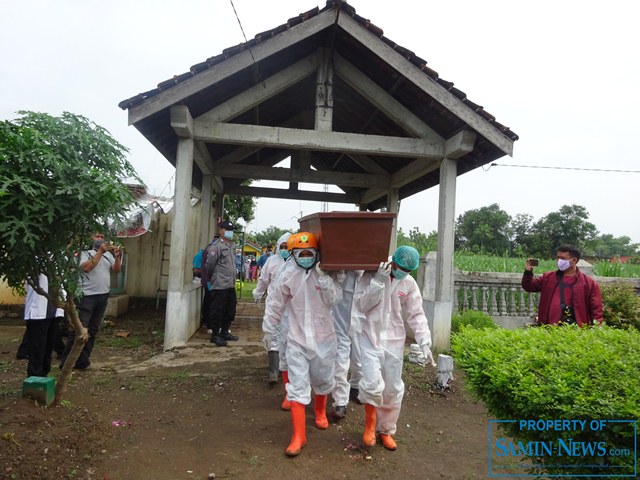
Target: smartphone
(533, 262)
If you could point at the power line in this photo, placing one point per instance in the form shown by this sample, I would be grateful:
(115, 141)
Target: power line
(564, 168)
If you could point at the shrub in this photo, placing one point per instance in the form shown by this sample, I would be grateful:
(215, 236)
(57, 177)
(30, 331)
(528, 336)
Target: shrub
(621, 306)
(473, 319)
(554, 373)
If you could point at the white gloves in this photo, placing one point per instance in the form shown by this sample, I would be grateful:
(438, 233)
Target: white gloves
(428, 356)
(320, 271)
(256, 298)
(384, 270)
(266, 341)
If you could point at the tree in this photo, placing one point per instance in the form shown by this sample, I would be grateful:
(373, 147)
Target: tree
(420, 241)
(239, 207)
(568, 225)
(520, 229)
(269, 236)
(61, 179)
(609, 246)
(484, 229)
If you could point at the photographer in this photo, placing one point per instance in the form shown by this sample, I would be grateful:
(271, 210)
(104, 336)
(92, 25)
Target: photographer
(96, 265)
(567, 295)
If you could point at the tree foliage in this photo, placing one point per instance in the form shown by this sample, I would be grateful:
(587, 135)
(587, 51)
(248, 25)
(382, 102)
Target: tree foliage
(484, 230)
(422, 242)
(269, 236)
(61, 179)
(238, 207)
(569, 225)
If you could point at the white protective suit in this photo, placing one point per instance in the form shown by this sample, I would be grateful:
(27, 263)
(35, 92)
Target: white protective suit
(382, 303)
(267, 282)
(307, 298)
(348, 356)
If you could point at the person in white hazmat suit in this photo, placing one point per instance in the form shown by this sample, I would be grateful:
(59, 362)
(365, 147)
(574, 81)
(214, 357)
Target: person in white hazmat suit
(348, 356)
(307, 293)
(283, 327)
(383, 299)
(265, 284)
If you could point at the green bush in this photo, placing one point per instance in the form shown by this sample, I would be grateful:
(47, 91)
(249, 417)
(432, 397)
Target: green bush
(621, 306)
(473, 319)
(557, 373)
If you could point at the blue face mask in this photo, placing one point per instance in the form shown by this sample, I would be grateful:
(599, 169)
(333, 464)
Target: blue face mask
(97, 244)
(284, 254)
(306, 262)
(228, 234)
(399, 274)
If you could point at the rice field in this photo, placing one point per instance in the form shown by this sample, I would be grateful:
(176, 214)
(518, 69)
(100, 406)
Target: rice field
(487, 263)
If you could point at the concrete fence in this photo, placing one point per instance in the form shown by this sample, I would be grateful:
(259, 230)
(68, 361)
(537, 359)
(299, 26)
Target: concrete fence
(497, 294)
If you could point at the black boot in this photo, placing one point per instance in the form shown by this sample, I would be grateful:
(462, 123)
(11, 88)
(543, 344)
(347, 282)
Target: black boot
(274, 367)
(218, 340)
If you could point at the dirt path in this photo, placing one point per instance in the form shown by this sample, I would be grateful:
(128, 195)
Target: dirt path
(139, 413)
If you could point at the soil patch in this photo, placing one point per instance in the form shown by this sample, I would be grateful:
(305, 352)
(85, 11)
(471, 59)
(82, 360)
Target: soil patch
(200, 410)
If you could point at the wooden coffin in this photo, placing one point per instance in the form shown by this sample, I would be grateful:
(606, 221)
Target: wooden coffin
(351, 240)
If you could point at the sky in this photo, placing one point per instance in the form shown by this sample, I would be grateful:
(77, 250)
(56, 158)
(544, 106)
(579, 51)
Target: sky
(563, 75)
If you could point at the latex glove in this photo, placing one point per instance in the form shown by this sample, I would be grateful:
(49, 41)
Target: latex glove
(341, 275)
(266, 341)
(208, 286)
(384, 270)
(257, 301)
(428, 356)
(320, 271)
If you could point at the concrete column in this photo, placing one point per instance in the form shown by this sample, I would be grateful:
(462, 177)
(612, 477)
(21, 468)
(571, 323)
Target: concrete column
(393, 206)
(176, 323)
(206, 223)
(443, 301)
(218, 213)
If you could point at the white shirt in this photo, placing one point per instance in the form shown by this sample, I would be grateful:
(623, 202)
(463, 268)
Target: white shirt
(35, 307)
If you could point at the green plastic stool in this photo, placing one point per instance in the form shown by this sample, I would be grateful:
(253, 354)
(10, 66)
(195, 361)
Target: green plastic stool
(41, 389)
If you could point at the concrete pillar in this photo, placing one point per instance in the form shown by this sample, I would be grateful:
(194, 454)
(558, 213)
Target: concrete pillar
(443, 294)
(393, 206)
(176, 322)
(206, 224)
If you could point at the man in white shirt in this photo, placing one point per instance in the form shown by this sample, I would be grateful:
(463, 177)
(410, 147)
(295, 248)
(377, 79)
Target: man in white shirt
(96, 265)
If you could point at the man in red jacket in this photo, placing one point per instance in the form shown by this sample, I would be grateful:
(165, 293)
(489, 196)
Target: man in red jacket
(566, 295)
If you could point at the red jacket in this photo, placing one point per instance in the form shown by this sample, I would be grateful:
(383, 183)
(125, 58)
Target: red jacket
(587, 300)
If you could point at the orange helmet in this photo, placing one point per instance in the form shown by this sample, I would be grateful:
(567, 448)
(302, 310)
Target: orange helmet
(302, 240)
(291, 240)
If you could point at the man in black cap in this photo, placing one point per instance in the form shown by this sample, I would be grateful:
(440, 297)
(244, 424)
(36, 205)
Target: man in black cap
(220, 274)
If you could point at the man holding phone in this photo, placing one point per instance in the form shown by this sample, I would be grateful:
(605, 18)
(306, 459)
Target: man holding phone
(567, 295)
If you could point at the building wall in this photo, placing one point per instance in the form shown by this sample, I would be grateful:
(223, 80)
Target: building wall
(147, 263)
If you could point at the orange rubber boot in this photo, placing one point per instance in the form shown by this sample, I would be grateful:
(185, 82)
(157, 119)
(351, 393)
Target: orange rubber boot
(299, 438)
(388, 442)
(369, 435)
(286, 404)
(320, 409)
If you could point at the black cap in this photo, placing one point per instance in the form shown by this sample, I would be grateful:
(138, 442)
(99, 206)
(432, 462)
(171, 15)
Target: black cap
(227, 225)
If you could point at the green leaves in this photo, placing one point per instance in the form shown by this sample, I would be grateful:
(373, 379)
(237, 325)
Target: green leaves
(555, 373)
(60, 178)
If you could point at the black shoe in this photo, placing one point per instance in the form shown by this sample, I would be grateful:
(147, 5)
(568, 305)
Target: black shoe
(339, 411)
(353, 395)
(22, 357)
(82, 367)
(219, 341)
(231, 338)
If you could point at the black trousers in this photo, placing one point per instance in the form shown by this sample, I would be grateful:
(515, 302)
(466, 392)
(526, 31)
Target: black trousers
(40, 338)
(58, 344)
(221, 310)
(90, 310)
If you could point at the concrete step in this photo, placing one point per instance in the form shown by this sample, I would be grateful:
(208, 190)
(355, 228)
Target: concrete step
(249, 309)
